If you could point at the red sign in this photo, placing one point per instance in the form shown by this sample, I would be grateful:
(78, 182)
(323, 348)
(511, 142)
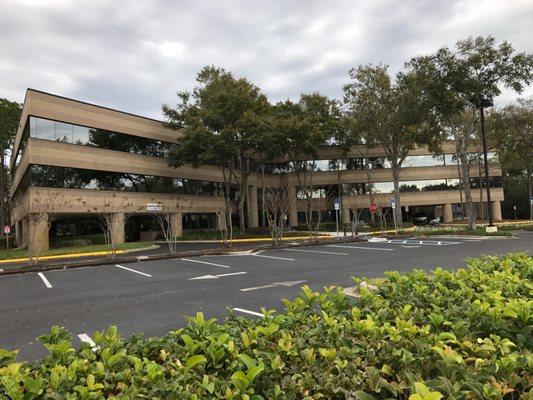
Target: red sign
(7, 229)
(373, 207)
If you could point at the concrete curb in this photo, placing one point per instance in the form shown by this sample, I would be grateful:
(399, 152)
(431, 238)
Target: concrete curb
(197, 253)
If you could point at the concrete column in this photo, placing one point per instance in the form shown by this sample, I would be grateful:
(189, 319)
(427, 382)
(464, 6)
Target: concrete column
(176, 224)
(253, 218)
(447, 212)
(220, 221)
(496, 210)
(117, 228)
(345, 217)
(293, 211)
(18, 232)
(38, 233)
(24, 224)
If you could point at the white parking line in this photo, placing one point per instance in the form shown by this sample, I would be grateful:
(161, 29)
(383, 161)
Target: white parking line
(273, 257)
(248, 312)
(273, 284)
(360, 247)
(318, 251)
(421, 242)
(86, 338)
(41, 275)
(205, 262)
(133, 270)
(216, 276)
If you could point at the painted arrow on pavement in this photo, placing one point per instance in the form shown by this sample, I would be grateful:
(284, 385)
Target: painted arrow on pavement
(216, 276)
(273, 284)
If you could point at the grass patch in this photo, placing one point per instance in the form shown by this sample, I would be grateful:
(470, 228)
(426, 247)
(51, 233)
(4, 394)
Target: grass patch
(523, 226)
(458, 335)
(21, 253)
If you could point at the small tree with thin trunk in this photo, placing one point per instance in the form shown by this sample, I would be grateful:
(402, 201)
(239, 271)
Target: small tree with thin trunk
(106, 218)
(166, 218)
(277, 203)
(225, 229)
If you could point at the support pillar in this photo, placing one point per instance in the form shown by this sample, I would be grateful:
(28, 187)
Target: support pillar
(176, 224)
(447, 213)
(496, 210)
(253, 218)
(18, 233)
(117, 228)
(293, 210)
(37, 238)
(220, 221)
(25, 226)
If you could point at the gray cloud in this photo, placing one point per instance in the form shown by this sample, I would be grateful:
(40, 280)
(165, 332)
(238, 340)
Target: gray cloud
(134, 55)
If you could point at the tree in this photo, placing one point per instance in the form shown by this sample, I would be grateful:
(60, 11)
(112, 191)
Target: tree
(112, 222)
(166, 219)
(298, 131)
(389, 113)
(511, 133)
(469, 76)
(225, 120)
(276, 202)
(10, 112)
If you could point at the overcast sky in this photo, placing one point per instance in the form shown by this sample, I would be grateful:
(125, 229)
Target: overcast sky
(135, 55)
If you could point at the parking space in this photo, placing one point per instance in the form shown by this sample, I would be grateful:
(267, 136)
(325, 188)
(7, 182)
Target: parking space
(153, 297)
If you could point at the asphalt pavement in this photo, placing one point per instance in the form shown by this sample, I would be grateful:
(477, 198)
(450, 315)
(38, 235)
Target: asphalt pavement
(154, 297)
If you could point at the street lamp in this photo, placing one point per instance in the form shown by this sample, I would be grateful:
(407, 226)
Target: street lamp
(480, 104)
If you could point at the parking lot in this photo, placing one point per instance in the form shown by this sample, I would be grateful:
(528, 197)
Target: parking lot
(154, 297)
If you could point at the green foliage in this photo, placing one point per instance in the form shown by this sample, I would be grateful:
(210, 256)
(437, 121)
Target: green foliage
(9, 120)
(462, 334)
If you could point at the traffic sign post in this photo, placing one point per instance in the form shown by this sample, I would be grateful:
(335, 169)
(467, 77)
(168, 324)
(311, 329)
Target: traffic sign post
(337, 205)
(393, 205)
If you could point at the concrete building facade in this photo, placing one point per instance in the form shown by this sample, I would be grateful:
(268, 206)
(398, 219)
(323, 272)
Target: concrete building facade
(73, 161)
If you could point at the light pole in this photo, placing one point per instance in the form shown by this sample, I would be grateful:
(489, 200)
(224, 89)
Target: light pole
(480, 104)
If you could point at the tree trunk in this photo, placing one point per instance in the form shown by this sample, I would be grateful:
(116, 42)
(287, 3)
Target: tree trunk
(465, 172)
(242, 202)
(2, 187)
(461, 191)
(396, 181)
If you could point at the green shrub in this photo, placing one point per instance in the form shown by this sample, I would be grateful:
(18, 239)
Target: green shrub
(460, 335)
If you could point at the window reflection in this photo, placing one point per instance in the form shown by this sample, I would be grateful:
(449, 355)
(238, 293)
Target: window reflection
(68, 133)
(75, 178)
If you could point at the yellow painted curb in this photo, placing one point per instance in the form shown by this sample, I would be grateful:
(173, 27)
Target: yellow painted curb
(61, 256)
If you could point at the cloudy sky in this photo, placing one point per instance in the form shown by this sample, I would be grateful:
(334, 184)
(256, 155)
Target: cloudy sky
(135, 55)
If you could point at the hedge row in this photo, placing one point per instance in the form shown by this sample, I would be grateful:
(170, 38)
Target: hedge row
(463, 335)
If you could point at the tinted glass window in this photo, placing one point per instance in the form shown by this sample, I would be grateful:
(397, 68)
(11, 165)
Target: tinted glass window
(74, 178)
(75, 134)
(63, 132)
(45, 129)
(80, 134)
